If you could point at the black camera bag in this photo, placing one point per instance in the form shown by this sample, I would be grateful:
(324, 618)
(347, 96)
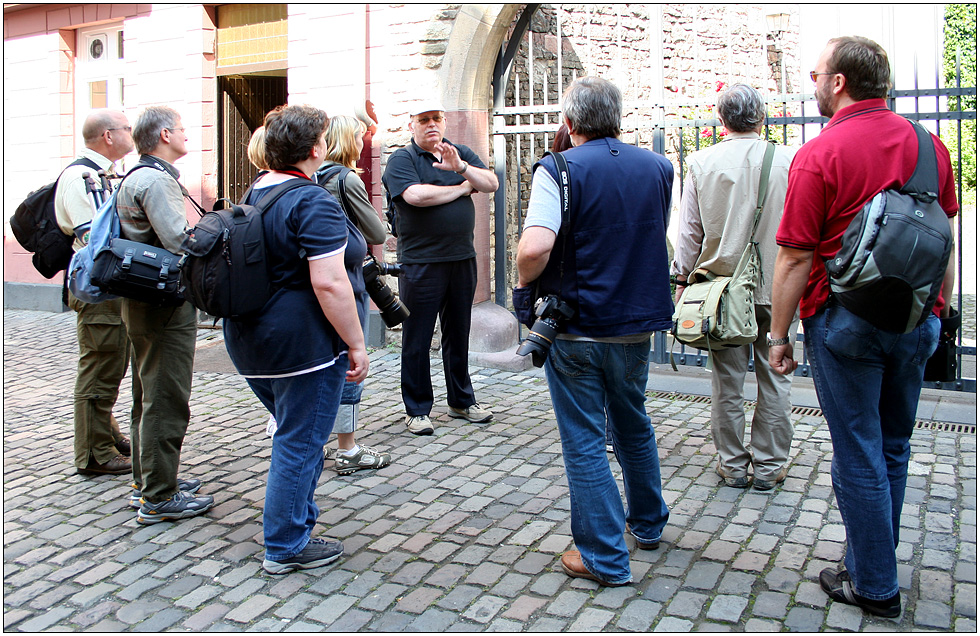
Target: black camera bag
(139, 271)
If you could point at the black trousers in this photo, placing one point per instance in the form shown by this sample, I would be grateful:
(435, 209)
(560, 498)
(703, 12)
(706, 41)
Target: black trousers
(445, 290)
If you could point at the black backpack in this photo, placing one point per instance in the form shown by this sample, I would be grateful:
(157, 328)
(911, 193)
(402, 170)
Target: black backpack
(225, 272)
(894, 253)
(35, 227)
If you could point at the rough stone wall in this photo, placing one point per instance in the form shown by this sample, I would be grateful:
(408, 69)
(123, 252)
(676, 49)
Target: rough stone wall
(663, 57)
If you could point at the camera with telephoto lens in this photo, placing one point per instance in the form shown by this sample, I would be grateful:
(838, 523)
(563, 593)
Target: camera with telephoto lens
(552, 313)
(393, 312)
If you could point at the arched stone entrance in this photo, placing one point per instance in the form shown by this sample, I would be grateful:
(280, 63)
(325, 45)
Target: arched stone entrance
(466, 76)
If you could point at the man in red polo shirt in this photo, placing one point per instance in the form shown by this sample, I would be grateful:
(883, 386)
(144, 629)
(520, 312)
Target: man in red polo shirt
(867, 380)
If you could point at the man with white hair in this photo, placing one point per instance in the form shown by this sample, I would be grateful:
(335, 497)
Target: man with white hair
(430, 182)
(103, 348)
(716, 223)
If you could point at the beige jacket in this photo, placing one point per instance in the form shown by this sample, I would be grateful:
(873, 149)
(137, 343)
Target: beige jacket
(72, 204)
(720, 194)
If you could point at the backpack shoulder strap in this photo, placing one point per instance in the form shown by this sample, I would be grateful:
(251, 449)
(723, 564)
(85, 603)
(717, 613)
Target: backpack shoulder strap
(763, 185)
(324, 176)
(277, 191)
(925, 179)
(81, 161)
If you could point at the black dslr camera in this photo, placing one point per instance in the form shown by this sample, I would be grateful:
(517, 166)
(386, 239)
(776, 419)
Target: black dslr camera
(552, 312)
(393, 312)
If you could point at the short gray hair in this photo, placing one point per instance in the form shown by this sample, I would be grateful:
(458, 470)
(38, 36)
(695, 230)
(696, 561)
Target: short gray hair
(742, 108)
(593, 107)
(149, 125)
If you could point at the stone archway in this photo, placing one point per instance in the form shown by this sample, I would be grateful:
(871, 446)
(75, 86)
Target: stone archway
(466, 77)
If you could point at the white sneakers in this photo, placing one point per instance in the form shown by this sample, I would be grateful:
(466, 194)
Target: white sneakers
(422, 425)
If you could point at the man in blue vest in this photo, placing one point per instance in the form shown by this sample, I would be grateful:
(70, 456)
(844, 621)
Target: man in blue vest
(608, 261)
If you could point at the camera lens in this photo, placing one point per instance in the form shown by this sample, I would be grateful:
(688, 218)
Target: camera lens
(538, 342)
(392, 311)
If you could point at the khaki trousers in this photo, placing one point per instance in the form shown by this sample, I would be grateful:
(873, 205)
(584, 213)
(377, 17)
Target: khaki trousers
(772, 432)
(103, 355)
(163, 340)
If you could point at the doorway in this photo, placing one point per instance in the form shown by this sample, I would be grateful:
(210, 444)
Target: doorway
(243, 101)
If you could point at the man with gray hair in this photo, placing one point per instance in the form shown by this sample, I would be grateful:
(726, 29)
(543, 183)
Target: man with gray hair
(716, 222)
(431, 183)
(103, 348)
(151, 209)
(606, 259)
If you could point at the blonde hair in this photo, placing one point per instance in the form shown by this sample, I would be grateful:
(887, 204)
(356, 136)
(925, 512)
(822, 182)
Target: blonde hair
(256, 149)
(342, 140)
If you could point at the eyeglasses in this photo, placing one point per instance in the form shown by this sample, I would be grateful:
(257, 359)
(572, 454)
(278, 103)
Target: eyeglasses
(126, 128)
(424, 120)
(814, 74)
(173, 130)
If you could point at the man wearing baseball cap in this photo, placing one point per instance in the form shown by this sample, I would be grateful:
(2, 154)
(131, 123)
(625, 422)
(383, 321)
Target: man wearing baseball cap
(430, 182)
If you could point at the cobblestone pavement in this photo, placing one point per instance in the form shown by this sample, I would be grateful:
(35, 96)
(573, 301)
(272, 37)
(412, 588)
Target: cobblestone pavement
(461, 533)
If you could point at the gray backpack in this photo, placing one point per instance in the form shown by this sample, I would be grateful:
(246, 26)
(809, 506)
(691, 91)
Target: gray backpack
(894, 253)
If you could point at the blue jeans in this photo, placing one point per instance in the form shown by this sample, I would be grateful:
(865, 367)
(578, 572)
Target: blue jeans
(305, 407)
(594, 385)
(868, 384)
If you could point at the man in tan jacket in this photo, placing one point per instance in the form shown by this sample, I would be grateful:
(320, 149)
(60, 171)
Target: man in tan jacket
(103, 348)
(716, 216)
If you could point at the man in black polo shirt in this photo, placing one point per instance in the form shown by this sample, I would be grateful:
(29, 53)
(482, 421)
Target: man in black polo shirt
(430, 183)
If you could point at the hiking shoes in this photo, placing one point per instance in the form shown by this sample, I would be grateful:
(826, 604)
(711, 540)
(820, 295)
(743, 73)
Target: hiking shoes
(732, 482)
(473, 413)
(180, 506)
(190, 486)
(419, 424)
(769, 484)
(364, 458)
(118, 465)
(317, 553)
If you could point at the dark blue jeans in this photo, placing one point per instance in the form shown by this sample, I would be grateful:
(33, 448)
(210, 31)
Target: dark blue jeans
(305, 407)
(594, 385)
(868, 383)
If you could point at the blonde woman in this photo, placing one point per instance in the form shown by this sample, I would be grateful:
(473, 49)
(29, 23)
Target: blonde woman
(256, 149)
(345, 141)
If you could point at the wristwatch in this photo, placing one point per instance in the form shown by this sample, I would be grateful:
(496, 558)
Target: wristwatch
(775, 342)
(465, 166)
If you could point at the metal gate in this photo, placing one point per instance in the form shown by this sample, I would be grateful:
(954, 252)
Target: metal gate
(532, 72)
(243, 102)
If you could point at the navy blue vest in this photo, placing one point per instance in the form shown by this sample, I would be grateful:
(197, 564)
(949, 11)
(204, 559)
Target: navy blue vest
(615, 269)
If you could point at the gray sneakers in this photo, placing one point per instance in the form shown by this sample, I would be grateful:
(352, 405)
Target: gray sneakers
(365, 457)
(473, 413)
(180, 506)
(190, 486)
(318, 552)
(419, 424)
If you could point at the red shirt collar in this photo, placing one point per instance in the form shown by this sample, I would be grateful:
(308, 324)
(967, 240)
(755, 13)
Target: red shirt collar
(857, 108)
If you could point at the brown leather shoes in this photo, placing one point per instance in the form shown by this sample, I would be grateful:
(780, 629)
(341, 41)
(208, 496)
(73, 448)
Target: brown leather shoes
(118, 465)
(571, 563)
(124, 446)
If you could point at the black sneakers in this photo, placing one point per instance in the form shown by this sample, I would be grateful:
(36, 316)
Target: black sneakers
(318, 552)
(839, 587)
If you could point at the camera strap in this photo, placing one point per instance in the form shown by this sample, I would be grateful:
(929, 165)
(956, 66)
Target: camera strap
(564, 186)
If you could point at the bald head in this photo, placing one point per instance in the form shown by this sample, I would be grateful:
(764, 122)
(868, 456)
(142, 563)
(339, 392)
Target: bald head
(107, 132)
